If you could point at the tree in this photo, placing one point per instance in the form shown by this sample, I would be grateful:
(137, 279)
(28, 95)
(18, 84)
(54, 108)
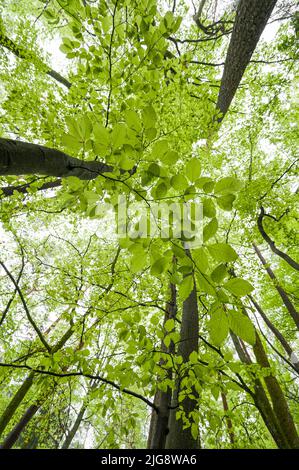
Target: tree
(125, 320)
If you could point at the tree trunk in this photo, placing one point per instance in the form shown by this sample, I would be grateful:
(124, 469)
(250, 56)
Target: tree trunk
(271, 243)
(285, 298)
(279, 402)
(74, 429)
(27, 384)
(159, 421)
(22, 158)
(251, 19)
(179, 438)
(261, 400)
(229, 422)
(16, 431)
(15, 402)
(279, 336)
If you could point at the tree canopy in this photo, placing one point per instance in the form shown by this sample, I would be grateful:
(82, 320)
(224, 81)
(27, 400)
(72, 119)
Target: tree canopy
(136, 341)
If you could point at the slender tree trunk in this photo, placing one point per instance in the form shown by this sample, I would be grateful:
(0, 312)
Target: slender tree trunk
(16, 431)
(285, 298)
(15, 402)
(229, 423)
(179, 438)
(24, 54)
(74, 429)
(159, 421)
(279, 402)
(279, 336)
(271, 243)
(251, 19)
(25, 387)
(32, 409)
(261, 400)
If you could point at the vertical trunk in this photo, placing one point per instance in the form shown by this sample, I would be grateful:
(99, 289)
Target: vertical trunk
(271, 242)
(16, 431)
(279, 336)
(25, 387)
(15, 402)
(229, 422)
(159, 421)
(74, 429)
(179, 438)
(261, 400)
(251, 19)
(279, 402)
(285, 298)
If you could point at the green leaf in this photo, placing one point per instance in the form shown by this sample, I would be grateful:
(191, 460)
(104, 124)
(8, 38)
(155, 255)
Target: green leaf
(229, 184)
(193, 169)
(219, 273)
(159, 149)
(186, 287)
(222, 252)
(171, 157)
(193, 357)
(242, 326)
(205, 284)
(226, 202)
(149, 117)
(118, 135)
(238, 287)
(133, 120)
(179, 182)
(159, 266)
(138, 262)
(208, 208)
(169, 324)
(101, 137)
(200, 259)
(218, 327)
(210, 229)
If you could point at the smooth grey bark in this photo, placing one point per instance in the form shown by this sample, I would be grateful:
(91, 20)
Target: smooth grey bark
(22, 158)
(26, 385)
(284, 296)
(179, 438)
(159, 420)
(261, 399)
(16, 431)
(279, 402)
(279, 336)
(271, 242)
(251, 19)
(71, 434)
(15, 402)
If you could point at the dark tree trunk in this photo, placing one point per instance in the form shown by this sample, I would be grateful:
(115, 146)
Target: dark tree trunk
(159, 421)
(251, 19)
(27, 384)
(16, 431)
(22, 158)
(279, 402)
(179, 438)
(285, 298)
(271, 243)
(15, 402)
(279, 336)
(229, 422)
(261, 400)
(74, 429)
